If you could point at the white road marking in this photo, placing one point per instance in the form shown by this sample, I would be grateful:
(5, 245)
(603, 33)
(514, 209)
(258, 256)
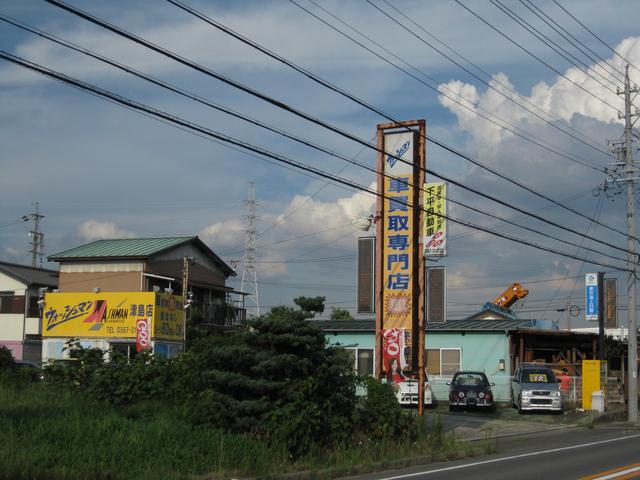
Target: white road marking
(503, 459)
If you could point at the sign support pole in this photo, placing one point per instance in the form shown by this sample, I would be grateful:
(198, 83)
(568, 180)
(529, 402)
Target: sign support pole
(417, 257)
(601, 316)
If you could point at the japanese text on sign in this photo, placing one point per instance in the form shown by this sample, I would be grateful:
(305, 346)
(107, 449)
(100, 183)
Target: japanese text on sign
(435, 224)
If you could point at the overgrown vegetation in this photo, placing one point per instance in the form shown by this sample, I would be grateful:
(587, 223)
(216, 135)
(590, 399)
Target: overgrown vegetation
(271, 397)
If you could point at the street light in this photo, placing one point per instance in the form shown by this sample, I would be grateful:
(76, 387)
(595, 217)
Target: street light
(365, 223)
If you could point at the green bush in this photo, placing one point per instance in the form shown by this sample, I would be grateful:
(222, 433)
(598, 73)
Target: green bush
(380, 415)
(275, 379)
(6, 359)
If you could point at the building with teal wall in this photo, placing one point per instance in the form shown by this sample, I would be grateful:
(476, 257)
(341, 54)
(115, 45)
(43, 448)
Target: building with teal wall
(480, 345)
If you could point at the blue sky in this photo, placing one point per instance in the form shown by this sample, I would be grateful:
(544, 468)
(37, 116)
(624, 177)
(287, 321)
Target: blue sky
(100, 171)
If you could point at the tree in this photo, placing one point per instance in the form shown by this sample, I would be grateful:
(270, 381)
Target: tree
(276, 378)
(310, 305)
(340, 314)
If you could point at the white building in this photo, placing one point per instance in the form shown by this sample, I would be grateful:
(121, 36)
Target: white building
(20, 324)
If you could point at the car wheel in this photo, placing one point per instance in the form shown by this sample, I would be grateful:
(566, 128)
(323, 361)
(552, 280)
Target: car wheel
(520, 411)
(452, 408)
(513, 400)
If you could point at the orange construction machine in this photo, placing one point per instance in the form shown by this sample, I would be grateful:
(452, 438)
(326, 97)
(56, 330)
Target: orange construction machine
(510, 296)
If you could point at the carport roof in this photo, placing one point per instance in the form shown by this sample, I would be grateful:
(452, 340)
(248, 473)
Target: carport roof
(369, 325)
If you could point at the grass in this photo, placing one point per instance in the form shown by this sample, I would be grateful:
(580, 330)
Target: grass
(56, 434)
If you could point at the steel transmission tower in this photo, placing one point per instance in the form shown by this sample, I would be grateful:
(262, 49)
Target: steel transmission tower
(623, 177)
(37, 237)
(249, 262)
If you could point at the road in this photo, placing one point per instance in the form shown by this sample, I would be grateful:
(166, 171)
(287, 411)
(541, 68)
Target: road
(611, 452)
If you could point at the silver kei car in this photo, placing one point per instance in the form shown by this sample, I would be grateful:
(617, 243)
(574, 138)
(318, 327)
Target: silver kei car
(534, 387)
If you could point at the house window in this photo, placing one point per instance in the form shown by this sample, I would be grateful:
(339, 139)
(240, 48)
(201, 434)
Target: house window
(443, 362)
(362, 360)
(11, 303)
(449, 361)
(127, 349)
(365, 361)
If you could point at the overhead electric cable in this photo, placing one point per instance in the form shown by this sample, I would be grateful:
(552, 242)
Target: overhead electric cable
(308, 117)
(336, 89)
(470, 105)
(477, 77)
(596, 36)
(256, 122)
(569, 57)
(245, 145)
(571, 39)
(530, 53)
(596, 214)
(589, 142)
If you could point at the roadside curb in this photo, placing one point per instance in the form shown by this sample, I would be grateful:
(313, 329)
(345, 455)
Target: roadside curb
(613, 416)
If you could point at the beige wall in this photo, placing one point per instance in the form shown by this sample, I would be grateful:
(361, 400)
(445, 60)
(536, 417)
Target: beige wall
(11, 326)
(33, 326)
(107, 281)
(8, 283)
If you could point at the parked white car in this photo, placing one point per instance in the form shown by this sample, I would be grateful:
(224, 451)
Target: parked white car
(534, 387)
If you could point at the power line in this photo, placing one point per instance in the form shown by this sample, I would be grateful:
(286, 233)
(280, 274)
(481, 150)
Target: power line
(596, 36)
(597, 212)
(308, 117)
(568, 56)
(333, 88)
(287, 135)
(474, 108)
(499, 82)
(483, 81)
(564, 33)
(263, 152)
(299, 113)
(530, 53)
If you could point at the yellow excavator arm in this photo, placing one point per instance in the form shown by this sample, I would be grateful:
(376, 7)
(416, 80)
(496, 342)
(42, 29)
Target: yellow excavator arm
(511, 295)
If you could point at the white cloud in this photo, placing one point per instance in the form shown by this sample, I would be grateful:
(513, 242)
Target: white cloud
(91, 230)
(561, 100)
(227, 233)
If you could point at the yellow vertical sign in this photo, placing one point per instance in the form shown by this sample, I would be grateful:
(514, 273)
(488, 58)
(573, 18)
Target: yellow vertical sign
(397, 301)
(590, 381)
(435, 224)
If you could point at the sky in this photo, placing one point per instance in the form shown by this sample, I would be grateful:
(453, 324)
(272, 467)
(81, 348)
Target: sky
(101, 171)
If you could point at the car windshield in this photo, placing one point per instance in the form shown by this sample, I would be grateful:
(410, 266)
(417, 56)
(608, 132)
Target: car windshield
(538, 375)
(469, 379)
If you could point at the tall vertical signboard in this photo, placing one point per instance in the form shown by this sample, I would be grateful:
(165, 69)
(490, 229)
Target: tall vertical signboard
(400, 278)
(435, 224)
(591, 297)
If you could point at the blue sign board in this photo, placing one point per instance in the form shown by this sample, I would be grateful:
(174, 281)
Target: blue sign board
(591, 296)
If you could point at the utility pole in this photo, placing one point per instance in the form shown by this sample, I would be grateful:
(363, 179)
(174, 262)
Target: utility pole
(631, 245)
(249, 261)
(37, 237)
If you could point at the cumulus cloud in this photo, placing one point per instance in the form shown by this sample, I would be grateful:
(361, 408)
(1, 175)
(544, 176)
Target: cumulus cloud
(227, 233)
(91, 230)
(305, 214)
(560, 100)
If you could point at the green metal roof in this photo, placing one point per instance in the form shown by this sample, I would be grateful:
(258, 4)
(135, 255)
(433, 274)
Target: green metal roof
(122, 248)
(369, 325)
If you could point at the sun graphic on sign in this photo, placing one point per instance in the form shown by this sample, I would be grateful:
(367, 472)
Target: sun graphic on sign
(397, 304)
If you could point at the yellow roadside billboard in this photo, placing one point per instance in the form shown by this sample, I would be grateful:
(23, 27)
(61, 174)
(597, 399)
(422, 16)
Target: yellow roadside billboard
(112, 314)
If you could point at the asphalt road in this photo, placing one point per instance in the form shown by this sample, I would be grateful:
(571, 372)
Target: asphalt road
(607, 452)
